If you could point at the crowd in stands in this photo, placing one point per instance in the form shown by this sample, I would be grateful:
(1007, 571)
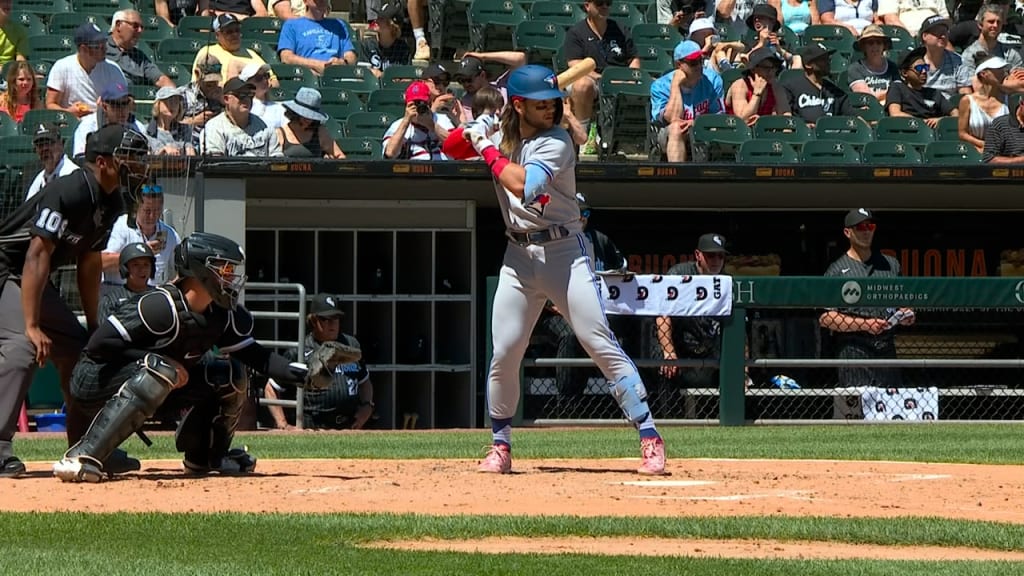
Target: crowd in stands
(289, 78)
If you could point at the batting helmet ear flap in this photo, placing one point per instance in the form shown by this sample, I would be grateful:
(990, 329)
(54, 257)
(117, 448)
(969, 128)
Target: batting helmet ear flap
(559, 111)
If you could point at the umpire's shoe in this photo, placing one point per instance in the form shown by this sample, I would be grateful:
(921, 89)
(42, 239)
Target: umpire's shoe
(11, 467)
(237, 462)
(79, 469)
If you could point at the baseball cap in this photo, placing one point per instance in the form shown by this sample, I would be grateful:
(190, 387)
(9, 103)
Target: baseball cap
(762, 54)
(46, 131)
(238, 86)
(712, 243)
(390, 11)
(417, 91)
(856, 216)
(436, 70)
(325, 305)
(89, 33)
(934, 22)
(994, 63)
(815, 51)
(114, 92)
(469, 68)
(224, 20)
(251, 69)
(699, 24)
(687, 50)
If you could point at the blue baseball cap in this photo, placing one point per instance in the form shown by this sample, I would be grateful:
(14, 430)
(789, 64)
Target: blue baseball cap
(114, 92)
(687, 50)
(533, 82)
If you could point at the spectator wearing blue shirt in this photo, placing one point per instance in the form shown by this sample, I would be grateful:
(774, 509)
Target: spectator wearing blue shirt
(681, 95)
(316, 41)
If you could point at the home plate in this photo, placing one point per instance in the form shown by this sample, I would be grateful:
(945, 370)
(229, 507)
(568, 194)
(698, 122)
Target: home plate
(666, 483)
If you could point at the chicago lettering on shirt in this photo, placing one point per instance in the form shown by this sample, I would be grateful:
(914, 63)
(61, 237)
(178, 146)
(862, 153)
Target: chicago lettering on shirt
(813, 100)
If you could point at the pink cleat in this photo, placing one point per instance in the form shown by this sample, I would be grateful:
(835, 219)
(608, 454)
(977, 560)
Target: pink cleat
(652, 452)
(499, 460)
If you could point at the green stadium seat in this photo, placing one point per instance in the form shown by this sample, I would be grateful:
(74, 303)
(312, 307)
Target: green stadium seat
(656, 61)
(179, 50)
(837, 69)
(539, 40)
(868, 107)
(42, 70)
(623, 112)
(789, 129)
(835, 152)
(155, 29)
(369, 124)
(355, 79)
(836, 37)
(395, 76)
(389, 100)
(913, 131)
(284, 92)
(44, 7)
(65, 24)
(901, 38)
(788, 75)
(627, 15)
(8, 126)
(948, 129)
(767, 152)
(32, 23)
(105, 7)
(146, 49)
(950, 152)
(890, 152)
(295, 74)
(492, 24)
(717, 137)
(661, 35)
(342, 111)
(265, 29)
(17, 150)
(849, 129)
(140, 92)
(265, 51)
(180, 72)
(32, 118)
(362, 148)
(729, 76)
(338, 97)
(565, 14)
(51, 47)
(199, 27)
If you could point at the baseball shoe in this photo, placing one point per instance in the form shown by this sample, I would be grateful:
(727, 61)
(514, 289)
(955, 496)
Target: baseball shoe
(78, 469)
(11, 467)
(422, 50)
(237, 462)
(120, 462)
(497, 461)
(652, 452)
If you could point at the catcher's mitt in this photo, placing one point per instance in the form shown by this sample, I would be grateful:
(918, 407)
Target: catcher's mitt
(322, 362)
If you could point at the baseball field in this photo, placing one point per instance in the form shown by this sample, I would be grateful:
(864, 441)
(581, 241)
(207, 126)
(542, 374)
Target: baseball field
(934, 499)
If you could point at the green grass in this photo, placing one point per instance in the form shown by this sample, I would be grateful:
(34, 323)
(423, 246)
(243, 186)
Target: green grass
(977, 444)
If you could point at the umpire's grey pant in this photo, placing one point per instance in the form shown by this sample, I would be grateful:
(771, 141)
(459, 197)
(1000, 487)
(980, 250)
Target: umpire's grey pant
(18, 355)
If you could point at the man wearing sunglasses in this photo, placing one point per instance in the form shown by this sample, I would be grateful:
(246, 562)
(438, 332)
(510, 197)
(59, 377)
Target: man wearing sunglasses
(75, 82)
(228, 50)
(122, 49)
(867, 332)
(682, 94)
(912, 97)
(49, 145)
(116, 107)
(147, 227)
(943, 63)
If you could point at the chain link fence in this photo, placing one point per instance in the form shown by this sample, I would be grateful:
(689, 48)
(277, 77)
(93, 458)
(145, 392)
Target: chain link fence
(948, 365)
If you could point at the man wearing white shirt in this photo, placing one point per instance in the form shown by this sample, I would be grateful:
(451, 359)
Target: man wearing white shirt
(150, 230)
(116, 107)
(49, 145)
(75, 82)
(272, 113)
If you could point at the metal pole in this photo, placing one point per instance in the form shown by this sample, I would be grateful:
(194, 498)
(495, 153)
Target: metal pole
(732, 402)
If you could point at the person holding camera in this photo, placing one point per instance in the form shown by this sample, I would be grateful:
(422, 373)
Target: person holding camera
(418, 134)
(149, 229)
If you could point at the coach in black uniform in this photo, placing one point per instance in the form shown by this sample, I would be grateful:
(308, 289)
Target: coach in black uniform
(137, 265)
(348, 402)
(862, 333)
(68, 222)
(151, 355)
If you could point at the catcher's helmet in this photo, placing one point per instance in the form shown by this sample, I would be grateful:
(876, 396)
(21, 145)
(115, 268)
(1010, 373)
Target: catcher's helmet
(533, 83)
(135, 251)
(216, 262)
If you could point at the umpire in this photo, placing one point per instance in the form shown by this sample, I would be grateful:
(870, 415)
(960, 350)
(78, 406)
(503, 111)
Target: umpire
(348, 402)
(68, 222)
(864, 333)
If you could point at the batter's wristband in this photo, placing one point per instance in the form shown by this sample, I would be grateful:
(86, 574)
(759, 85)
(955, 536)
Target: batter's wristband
(495, 160)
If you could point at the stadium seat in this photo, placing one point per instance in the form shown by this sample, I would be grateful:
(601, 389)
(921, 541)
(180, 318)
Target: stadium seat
(180, 72)
(656, 61)
(950, 152)
(104, 7)
(199, 27)
(17, 150)
(849, 129)
(890, 152)
(32, 23)
(355, 79)
(625, 14)
(400, 76)
(388, 100)
(829, 152)
(836, 37)
(661, 35)
(449, 26)
(837, 68)
(179, 50)
(8, 126)
(296, 74)
(912, 131)
(729, 76)
(365, 148)
(492, 24)
(65, 24)
(539, 40)
(342, 111)
(624, 110)
(141, 92)
(565, 14)
(44, 7)
(33, 118)
(787, 75)
(156, 29)
(338, 97)
(868, 107)
(901, 38)
(948, 129)
(767, 152)
(265, 29)
(789, 129)
(146, 49)
(51, 47)
(369, 124)
(265, 51)
(717, 137)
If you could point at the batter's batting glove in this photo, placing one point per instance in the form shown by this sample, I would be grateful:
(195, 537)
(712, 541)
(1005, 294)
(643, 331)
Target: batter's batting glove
(322, 362)
(479, 132)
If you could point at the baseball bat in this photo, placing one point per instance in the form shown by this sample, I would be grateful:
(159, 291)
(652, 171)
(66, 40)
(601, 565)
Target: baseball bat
(575, 72)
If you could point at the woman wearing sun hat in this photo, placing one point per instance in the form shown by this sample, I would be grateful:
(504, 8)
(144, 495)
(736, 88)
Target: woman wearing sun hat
(873, 73)
(304, 134)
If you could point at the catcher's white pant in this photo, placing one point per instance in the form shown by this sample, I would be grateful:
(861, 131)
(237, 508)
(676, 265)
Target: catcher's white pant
(560, 270)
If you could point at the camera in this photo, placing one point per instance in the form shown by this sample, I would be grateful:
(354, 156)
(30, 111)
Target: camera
(422, 107)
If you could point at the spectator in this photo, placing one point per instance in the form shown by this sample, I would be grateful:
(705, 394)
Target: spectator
(736, 13)
(13, 36)
(681, 13)
(239, 9)
(174, 10)
(757, 93)
(487, 101)
(235, 131)
(681, 95)
(442, 101)
(305, 136)
(798, 15)
(137, 265)
(910, 96)
(911, 14)
(348, 402)
(316, 41)
(813, 95)
(387, 48)
(867, 332)
(148, 229)
(272, 113)
(204, 97)
(166, 132)
(942, 62)
(116, 107)
(599, 37)
(990, 21)
(49, 145)
(720, 54)
(988, 102)
(473, 77)
(854, 15)
(1004, 139)
(418, 134)
(286, 9)
(873, 73)
(764, 22)
(22, 92)
(418, 19)
(122, 49)
(228, 50)
(76, 81)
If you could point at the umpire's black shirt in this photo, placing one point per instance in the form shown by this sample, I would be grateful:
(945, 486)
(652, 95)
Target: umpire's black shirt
(615, 48)
(72, 211)
(878, 266)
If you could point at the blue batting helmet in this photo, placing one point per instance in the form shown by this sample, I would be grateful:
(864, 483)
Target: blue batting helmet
(533, 83)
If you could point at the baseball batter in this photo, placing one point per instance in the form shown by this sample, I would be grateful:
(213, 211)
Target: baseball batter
(547, 258)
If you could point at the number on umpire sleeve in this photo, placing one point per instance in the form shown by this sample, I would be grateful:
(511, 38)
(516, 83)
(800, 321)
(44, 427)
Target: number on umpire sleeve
(49, 220)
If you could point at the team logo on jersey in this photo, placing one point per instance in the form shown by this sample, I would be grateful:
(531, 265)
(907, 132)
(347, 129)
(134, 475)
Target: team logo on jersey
(538, 204)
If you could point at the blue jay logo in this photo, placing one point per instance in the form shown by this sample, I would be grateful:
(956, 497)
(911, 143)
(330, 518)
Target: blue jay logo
(551, 81)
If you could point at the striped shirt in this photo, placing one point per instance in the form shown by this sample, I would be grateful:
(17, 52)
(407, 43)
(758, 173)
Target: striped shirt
(1005, 137)
(420, 143)
(944, 76)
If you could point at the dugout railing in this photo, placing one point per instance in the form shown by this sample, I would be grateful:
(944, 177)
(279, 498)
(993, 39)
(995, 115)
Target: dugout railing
(269, 295)
(962, 360)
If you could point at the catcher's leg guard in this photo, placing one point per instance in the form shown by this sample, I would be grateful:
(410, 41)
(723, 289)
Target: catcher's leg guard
(206, 431)
(137, 400)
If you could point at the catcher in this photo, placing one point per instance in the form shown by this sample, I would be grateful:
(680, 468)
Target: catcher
(149, 354)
